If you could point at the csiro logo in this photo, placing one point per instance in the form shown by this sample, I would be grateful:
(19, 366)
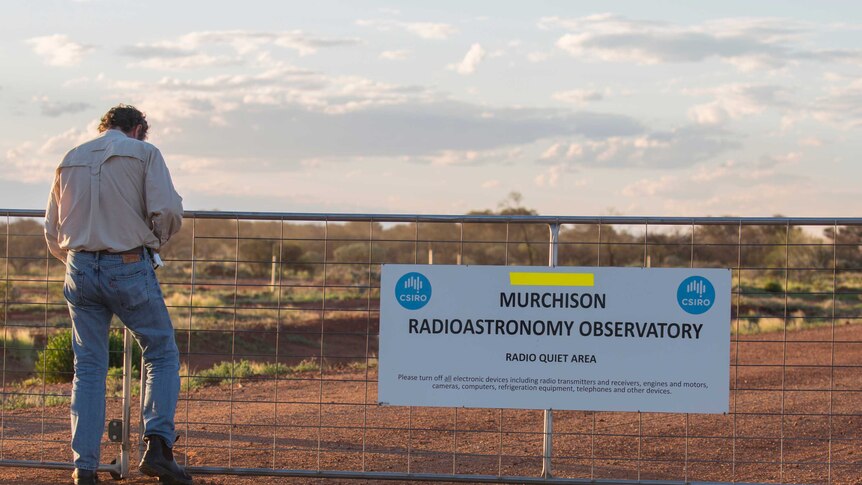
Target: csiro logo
(413, 291)
(695, 295)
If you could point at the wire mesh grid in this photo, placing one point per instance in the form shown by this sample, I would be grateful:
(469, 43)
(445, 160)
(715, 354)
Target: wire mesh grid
(277, 320)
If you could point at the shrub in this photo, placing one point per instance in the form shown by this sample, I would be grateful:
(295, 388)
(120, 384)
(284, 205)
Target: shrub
(115, 351)
(56, 363)
(17, 345)
(773, 286)
(225, 372)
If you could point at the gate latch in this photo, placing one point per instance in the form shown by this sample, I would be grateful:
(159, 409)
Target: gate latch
(115, 430)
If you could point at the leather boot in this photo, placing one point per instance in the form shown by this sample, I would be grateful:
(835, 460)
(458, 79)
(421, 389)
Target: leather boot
(85, 477)
(158, 461)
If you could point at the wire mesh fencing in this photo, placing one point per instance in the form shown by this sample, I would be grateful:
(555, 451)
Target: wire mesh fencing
(277, 320)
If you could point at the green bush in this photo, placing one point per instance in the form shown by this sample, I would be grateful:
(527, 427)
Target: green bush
(773, 286)
(226, 372)
(56, 363)
(115, 351)
(7, 293)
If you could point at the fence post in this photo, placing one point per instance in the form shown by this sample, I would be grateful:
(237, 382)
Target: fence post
(548, 439)
(126, 446)
(142, 447)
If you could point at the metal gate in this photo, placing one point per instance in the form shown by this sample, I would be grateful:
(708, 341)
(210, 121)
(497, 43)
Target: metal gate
(277, 321)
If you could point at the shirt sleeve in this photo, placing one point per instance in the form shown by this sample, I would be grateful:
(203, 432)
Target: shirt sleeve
(52, 221)
(164, 204)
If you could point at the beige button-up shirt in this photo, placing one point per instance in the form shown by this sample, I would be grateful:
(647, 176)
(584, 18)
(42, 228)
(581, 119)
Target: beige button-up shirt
(112, 193)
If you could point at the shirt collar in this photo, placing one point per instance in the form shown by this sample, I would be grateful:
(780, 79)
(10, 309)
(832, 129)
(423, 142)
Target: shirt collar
(113, 132)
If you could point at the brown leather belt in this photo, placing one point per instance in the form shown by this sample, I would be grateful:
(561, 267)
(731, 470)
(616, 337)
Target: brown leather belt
(104, 252)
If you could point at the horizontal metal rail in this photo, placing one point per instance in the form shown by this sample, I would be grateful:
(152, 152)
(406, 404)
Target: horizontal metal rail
(433, 477)
(483, 218)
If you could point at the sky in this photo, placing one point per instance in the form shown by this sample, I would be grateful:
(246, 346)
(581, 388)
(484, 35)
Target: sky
(643, 108)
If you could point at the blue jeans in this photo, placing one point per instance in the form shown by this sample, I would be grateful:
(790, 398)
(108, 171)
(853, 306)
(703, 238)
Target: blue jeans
(98, 286)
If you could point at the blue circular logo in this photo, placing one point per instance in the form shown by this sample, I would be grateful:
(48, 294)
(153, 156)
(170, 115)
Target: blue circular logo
(695, 295)
(413, 291)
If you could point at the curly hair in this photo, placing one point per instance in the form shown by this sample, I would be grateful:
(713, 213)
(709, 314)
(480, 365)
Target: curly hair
(125, 118)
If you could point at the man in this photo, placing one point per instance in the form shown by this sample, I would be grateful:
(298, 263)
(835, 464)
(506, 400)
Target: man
(112, 206)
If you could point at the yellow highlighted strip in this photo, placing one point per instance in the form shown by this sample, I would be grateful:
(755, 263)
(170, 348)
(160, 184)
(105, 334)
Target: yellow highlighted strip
(552, 279)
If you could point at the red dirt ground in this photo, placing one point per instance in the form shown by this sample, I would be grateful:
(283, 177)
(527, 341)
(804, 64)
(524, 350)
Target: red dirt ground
(788, 398)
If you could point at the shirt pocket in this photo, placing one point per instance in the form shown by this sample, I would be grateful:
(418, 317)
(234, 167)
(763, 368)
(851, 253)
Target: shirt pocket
(132, 289)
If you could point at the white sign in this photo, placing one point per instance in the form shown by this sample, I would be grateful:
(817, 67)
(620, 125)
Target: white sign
(603, 339)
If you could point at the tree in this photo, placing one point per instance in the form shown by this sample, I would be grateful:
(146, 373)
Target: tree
(26, 245)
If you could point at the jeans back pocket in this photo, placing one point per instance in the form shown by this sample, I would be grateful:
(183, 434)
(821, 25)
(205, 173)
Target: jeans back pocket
(73, 286)
(131, 289)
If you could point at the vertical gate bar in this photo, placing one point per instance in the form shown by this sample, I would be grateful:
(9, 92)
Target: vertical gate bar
(548, 441)
(454, 440)
(233, 344)
(500, 454)
(736, 357)
(460, 244)
(784, 349)
(44, 383)
(599, 246)
(410, 408)
(279, 289)
(553, 249)
(506, 263)
(367, 339)
(832, 350)
(593, 449)
(687, 416)
(5, 333)
(647, 263)
(640, 441)
(691, 256)
(142, 447)
(685, 466)
(416, 242)
(192, 282)
(506, 251)
(593, 434)
(320, 359)
(126, 446)
(646, 246)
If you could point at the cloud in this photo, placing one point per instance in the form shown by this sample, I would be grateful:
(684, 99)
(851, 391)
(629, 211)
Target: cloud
(279, 86)
(550, 177)
(33, 162)
(99, 78)
(54, 109)
(398, 55)
(471, 60)
(538, 56)
(193, 50)
(474, 158)
(841, 104)
(747, 43)
(578, 96)
(680, 147)
(428, 30)
(735, 101)
(761, 187)
(59, 50)
(427, 131)
(650, 187)
(425, 30)
(810, 141)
